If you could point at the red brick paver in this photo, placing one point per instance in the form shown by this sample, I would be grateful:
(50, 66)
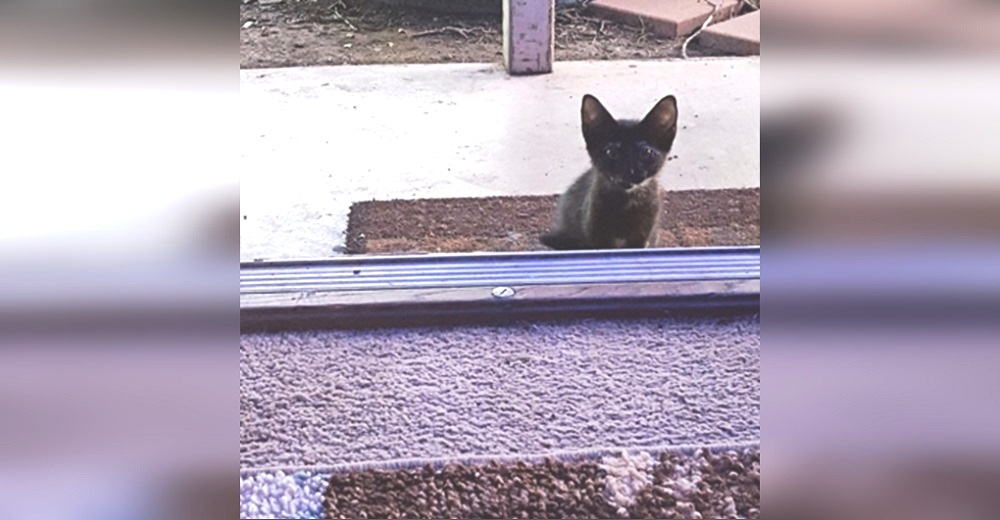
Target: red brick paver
(740, 35)
(668, 18)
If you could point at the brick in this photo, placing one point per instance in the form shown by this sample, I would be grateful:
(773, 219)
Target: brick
(668, 18)
(740, 35)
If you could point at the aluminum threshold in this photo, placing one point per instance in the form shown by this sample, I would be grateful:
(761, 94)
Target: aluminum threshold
(432, 289)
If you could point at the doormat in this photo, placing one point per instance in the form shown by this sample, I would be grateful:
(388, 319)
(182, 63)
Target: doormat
(694, 483)
(691, 218)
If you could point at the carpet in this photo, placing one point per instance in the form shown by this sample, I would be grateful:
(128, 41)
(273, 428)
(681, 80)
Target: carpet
(693, 483)
(604, 418)
(724, 485)
(691, 218)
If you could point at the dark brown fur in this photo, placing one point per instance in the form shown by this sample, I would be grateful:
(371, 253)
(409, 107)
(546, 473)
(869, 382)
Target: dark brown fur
(616, 203)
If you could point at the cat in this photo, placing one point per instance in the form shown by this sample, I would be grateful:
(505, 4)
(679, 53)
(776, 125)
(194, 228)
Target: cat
(616, 203)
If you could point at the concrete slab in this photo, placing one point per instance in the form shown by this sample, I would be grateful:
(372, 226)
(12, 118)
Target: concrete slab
(669, 18)
(318, 139)
(739, 36)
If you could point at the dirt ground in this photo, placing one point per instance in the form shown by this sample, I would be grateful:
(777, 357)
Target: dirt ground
(339, 32)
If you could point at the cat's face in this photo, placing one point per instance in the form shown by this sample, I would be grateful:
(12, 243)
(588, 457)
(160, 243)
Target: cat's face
(626, 152)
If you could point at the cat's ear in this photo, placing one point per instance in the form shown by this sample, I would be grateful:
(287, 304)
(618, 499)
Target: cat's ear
(660, 124)
(597, 122)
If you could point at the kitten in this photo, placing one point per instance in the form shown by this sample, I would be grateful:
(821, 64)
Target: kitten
(616, 203)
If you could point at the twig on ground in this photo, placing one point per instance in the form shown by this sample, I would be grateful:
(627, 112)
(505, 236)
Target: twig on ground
(342, 18)
(599, 32)
(715, 9)
(565, 16)
(572, 14)
(464, 33)
(485, 33)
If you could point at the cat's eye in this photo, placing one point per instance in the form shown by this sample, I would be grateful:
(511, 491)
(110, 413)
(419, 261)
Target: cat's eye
(611, 152)
(646, 153)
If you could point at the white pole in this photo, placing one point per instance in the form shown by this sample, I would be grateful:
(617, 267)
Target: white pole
(528, 36)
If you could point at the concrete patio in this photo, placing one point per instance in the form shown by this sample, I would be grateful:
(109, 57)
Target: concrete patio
(318, 139)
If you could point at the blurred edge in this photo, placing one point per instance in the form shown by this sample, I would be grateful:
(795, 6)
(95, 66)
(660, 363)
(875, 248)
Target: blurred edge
(881, 204)
(118, 268)
(897, 164)
(200, 36)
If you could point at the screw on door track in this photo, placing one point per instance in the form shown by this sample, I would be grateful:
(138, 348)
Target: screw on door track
(503, 292)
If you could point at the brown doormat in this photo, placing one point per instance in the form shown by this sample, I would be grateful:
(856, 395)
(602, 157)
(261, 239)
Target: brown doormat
(692, 218)
(719, 485)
